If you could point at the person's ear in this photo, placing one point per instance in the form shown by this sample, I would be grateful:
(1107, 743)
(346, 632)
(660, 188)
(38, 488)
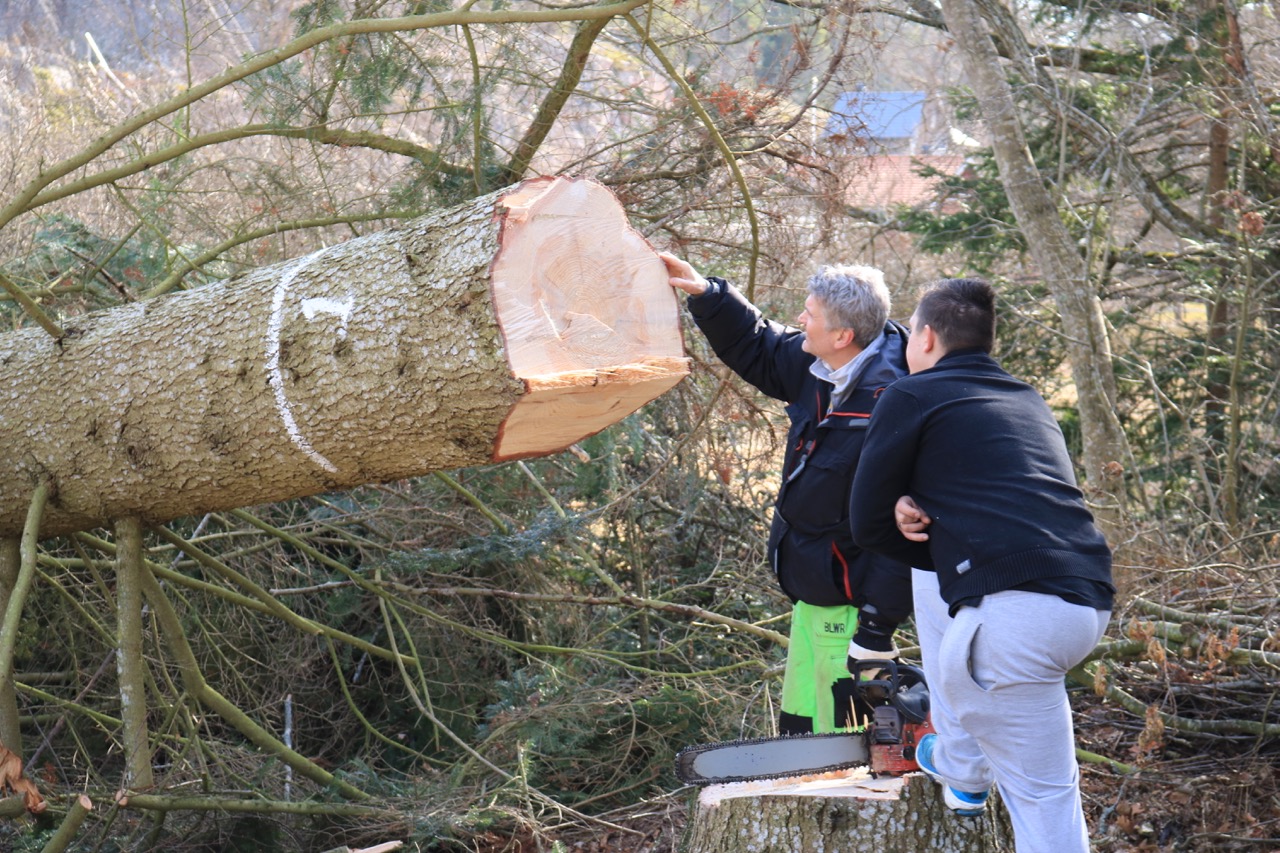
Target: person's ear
(928, 338)
(846, 338)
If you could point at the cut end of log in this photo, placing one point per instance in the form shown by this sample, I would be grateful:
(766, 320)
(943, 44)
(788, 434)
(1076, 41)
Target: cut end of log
(563, 408)
(590, 322)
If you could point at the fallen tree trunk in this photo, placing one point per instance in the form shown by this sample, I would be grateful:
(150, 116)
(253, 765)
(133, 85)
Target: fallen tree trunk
(840, 812)
(511, 326)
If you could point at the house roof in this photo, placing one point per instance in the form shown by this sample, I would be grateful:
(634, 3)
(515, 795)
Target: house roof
(876, 115)
(885, 181)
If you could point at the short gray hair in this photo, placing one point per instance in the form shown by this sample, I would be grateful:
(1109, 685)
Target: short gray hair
(854, 297)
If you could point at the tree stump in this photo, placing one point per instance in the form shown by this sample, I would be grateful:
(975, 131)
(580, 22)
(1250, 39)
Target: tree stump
(510, 326)
(841, 812)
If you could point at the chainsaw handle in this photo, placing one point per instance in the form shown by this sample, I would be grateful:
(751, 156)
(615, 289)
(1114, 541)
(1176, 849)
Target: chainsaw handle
(900, 675)
(905, 688)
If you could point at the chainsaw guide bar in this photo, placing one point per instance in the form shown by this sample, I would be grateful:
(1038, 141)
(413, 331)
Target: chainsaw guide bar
(771, 758)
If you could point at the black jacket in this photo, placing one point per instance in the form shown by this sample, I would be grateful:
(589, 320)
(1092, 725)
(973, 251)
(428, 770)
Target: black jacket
(810, 544)
(981, 453)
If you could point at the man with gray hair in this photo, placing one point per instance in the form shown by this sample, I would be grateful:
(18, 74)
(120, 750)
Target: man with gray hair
(846, 603)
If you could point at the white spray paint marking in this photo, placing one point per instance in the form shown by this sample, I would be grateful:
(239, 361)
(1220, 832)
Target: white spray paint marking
(273, 360)
(341, 308)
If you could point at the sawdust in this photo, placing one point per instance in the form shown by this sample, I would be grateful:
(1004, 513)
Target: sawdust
(856, 783)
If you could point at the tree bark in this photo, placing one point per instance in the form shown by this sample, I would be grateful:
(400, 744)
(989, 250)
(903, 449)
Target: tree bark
(841, 813)
(1059, 259)
(511, 326)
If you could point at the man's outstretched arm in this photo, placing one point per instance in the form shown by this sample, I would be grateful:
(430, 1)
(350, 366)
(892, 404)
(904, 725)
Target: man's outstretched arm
(764, 353)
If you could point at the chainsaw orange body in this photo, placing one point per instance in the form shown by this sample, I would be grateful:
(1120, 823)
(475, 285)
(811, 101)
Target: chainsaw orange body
(893, 742)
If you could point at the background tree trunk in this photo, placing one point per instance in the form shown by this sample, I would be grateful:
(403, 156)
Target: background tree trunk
(513, 325)
(841, 814)
(1055, 252)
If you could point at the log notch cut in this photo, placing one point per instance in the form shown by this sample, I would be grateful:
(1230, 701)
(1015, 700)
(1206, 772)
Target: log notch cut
(510, 326)
(840, 812)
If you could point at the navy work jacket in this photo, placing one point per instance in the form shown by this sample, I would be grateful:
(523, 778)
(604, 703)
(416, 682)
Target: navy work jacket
(810, 543)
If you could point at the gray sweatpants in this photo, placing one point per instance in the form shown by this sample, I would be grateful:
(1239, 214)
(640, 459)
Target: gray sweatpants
(998, 696)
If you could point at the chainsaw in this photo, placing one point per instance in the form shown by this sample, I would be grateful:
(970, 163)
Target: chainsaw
(899, 701)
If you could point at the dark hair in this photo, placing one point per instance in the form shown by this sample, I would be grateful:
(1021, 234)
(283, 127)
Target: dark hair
(961, 312)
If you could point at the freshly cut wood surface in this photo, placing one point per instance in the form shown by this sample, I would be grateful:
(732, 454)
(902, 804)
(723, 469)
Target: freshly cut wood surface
(589, 320)
(512, 325)
(846, 811)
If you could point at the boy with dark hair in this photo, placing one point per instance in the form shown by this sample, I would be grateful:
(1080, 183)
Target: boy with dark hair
(965, 475)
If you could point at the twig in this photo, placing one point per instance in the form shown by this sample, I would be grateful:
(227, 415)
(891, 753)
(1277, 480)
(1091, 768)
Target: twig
(378, 848)
(194, 681)
(33, 310)
(22, 584)
(1095, 758)
(364, 721)
(1154, 609)
(260, 601)
(476, 756)
(1172, 634)
(688, 610)
(471, 498)
(74, 704)
(1222, 836)
(162, 803)
(131, 671)
(70, 825)
(730, 158)
(582, 553)
(1081, 675)
(12, 807)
